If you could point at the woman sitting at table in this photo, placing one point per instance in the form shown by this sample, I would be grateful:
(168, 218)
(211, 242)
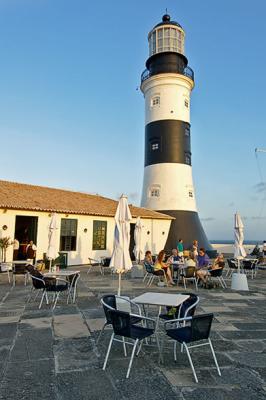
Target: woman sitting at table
(160, 267)
(217, 264)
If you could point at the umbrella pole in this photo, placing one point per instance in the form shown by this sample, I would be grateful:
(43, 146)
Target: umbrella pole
(119, 284)
(50, 265)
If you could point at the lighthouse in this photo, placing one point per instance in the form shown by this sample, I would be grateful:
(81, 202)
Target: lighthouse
(166, 85)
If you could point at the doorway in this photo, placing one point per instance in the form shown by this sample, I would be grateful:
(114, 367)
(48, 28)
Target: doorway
(25, 231)
(132, 242)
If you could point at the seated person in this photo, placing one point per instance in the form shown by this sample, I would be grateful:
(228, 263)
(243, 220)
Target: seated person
(160, 268)
(174, 260)
(148, 258)
(202, 259)
(217, 264)
(191, 260)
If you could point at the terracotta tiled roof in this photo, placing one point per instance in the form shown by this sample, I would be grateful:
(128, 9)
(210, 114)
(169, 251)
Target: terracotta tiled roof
(18, 196)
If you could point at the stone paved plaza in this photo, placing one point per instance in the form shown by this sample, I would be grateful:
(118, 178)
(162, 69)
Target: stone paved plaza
(52, 354)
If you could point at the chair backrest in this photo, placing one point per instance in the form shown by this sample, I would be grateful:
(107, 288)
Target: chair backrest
(201, 326)
(188, 307)
(20, 269)
(109, 303)
(120, 321)
(106, 261)
(248, 264)
(231, 263)
(189, 272)
(38, 282)
(216, 272)
(148, 267)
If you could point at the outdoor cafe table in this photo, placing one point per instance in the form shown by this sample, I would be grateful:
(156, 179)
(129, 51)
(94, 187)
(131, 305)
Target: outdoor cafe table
(160, 300)
(61, 274)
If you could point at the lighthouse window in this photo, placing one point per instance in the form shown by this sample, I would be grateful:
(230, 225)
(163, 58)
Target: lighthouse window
(190, 194)
(155, 192)
(188, 159)
(155, 146)
(186, 103)
(155, 101)
(187, 131)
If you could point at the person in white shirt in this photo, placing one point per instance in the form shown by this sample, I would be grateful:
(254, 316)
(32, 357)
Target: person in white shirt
(264, 248)
(15, 249)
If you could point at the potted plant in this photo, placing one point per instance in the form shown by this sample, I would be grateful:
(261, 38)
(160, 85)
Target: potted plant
(5, 242)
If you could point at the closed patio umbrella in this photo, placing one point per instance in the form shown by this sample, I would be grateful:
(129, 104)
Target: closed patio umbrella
(239, 281)
(137, 238)
(120, 260)
(240, 252)
(52, 252)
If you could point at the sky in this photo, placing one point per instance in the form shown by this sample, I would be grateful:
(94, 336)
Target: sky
(72, 114)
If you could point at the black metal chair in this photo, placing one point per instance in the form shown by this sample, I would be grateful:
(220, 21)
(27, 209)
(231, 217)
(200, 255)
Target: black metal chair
(109, 302)
(232, 266)
(199, 330)
(250, 267)
(186, 309)
(49, 286)
(123, 327)
(217, 274)
(149, 271)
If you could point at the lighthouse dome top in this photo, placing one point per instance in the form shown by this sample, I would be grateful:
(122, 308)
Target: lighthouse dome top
(166, 19)
(166, 36)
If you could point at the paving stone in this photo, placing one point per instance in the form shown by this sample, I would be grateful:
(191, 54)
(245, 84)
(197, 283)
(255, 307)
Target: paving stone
(84, 385)
(32, 345)
(29, 380)
(75, 355)
(70, 326)
(38, 323)
(222, 394)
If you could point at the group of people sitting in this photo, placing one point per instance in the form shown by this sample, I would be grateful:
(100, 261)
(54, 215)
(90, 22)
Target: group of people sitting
(168, 267)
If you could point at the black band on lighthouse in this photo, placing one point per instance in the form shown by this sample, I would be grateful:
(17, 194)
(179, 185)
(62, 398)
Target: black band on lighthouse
(167, 141)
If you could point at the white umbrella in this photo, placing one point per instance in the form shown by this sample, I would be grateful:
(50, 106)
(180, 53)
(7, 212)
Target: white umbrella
(120, 260)
(240, 252)
(137, 237)
(52, 252)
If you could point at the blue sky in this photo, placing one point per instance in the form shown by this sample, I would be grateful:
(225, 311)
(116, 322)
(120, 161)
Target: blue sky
(71, 117)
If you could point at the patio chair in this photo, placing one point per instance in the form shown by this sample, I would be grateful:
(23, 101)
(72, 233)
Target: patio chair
(6, 268)
(49, 286)
(199, 330)
(149, 270)
(122, 326)
(218, 275)
(109, 302)
(188, 274)
(72, 290)
(20, 270)
(94, 263)
(250, 266)
(232, 266)
(186, 309)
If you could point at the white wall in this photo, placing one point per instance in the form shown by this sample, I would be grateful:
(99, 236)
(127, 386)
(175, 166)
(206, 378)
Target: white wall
(153, 241)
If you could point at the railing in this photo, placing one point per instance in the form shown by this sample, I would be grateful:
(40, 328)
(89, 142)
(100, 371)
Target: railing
(186, 72)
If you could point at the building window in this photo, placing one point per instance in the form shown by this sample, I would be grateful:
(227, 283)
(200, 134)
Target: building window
(68, 235)
(155, 101)
(190, 194)
(155, 146)
(187, 131)
(155, 191)
(188, 158)
(99, 235)
(186, 102)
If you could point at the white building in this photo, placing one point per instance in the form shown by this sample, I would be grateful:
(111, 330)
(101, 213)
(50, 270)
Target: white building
(86, 222)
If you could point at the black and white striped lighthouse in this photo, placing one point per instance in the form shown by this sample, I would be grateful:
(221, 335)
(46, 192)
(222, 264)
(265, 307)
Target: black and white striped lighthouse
(167, 84)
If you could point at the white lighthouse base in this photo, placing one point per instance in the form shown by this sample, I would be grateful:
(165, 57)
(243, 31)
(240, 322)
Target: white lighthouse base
(239, 281)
